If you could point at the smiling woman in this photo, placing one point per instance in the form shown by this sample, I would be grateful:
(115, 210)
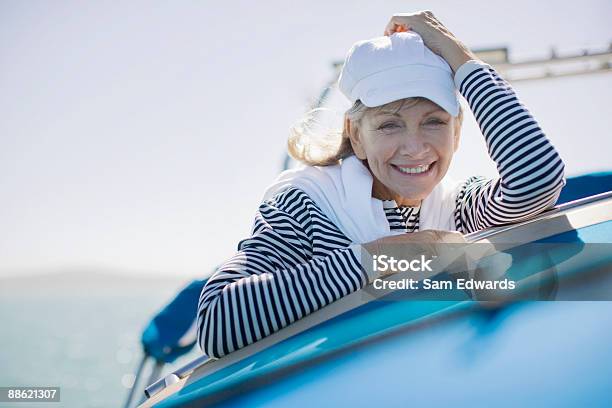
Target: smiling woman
(384, 182)
(408, 149)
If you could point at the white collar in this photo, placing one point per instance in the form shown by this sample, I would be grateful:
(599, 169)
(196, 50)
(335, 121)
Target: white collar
(344, 193)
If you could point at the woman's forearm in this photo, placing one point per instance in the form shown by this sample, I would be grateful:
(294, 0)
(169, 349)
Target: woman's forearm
(237, 310)
(531, 172)
(456, 54)
(275, 278)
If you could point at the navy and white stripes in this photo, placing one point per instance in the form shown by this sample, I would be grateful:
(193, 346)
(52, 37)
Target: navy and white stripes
(531, 171)
(297, 261)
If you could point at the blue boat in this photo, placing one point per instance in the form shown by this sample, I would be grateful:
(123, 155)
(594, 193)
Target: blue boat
(364, 350)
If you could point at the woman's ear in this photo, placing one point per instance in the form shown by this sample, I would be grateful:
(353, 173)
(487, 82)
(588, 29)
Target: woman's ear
(354, 136)
(457, 135)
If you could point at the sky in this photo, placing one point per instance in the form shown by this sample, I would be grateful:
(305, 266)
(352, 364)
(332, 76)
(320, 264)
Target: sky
(138, 137)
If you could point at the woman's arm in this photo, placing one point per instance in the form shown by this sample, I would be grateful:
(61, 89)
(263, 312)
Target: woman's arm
(531, 170)
(275, 278)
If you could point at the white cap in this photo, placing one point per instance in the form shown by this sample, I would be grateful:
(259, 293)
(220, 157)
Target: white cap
(389, 68)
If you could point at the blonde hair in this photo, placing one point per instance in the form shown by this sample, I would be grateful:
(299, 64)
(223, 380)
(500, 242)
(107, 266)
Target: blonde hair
(310, 148)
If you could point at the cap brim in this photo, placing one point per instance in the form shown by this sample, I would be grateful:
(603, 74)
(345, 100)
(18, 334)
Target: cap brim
(409, 81)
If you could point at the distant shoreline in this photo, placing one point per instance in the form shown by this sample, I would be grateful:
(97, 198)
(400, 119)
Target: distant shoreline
(94, 280)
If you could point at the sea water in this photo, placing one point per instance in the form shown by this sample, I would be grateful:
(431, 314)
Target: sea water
(81, 336)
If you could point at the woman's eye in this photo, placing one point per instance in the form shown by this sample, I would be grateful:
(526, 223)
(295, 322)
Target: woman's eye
(435, 122)
(388, 126)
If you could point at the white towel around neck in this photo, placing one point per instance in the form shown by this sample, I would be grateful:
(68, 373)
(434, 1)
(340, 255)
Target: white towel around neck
(344, 193)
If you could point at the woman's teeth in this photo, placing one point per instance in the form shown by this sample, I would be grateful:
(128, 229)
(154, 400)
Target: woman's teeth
(414, 170)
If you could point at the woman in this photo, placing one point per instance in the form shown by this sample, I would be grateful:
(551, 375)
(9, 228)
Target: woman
(385, 183)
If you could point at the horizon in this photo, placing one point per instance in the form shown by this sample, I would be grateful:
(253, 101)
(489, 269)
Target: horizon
(140, 137)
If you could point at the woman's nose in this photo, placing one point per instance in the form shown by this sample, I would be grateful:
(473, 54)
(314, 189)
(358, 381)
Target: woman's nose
(413, 145)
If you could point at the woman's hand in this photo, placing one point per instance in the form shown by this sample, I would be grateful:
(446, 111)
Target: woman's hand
(420, 238)
(426, 236)
(413, 245)
(435, 36)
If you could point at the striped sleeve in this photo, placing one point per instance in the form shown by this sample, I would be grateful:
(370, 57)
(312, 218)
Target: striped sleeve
(277, 276)
(531, 172)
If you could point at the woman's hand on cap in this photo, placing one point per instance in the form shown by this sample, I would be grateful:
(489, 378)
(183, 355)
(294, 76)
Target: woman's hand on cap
(434, 34)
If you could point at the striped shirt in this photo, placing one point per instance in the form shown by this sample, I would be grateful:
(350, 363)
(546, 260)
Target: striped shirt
(297, 261)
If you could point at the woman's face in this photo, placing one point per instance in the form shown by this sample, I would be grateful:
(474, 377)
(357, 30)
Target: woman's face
(408, 151)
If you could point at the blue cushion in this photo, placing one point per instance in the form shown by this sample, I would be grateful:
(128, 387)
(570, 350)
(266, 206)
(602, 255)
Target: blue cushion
(586, 185)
